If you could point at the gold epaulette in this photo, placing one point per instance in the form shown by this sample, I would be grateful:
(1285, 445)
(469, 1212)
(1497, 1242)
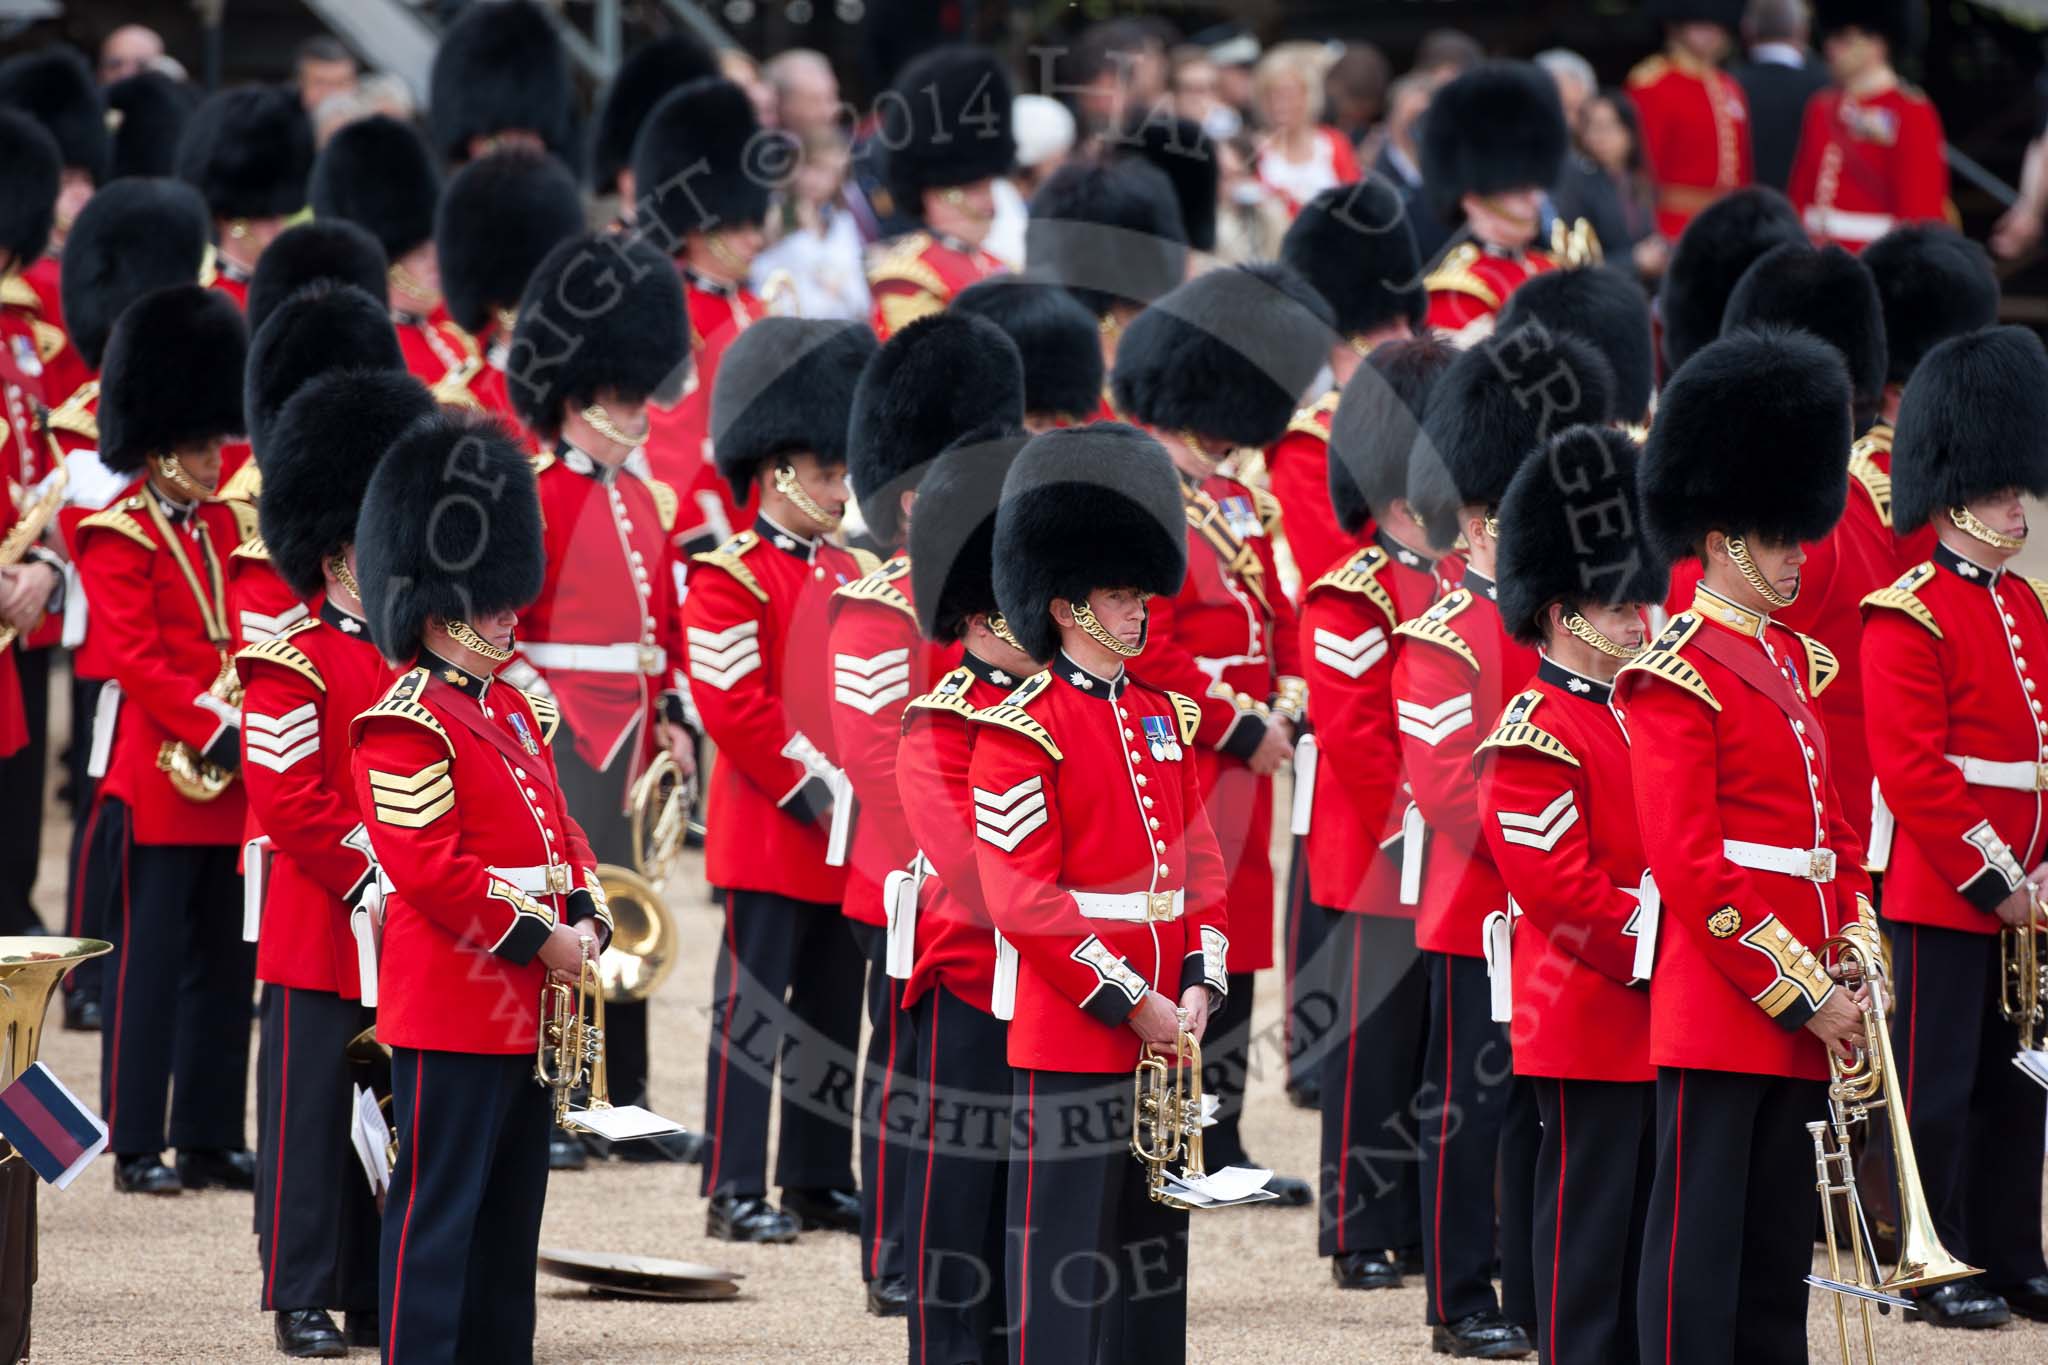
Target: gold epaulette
(1011, 715)
(121, 517)
(1647, 70)
(1188, 712)
(728, 558)
(879, 585)
(1454, 275)
(1875, 481)
(401, 702)
(542, 461)
(1904, 595)
(1663, 660)
(279, 649)
(2040, 587)
(903, 260)
(16, 292)
(546, 713)
(1268, 508)
(244, 514)
(1305, 422)
(1360, 574)
(1822, 667)
(867, 561)
(666, 503)
(1434, 626)
(75, 413)
(949, 695)
(246, 485)
(1516, 731)
(251, 547)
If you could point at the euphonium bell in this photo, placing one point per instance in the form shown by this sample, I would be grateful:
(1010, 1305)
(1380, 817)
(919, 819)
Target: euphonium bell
(642, 949)
(192, 776)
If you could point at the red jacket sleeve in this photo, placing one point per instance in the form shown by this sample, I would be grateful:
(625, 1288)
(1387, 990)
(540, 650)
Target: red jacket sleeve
(1539, 827)
(304, 817)
(118, 577)
(1167, 663)
(723, 624)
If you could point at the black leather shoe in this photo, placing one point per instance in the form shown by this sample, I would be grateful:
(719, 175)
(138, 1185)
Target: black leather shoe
(1292, 1192)
(81, 1013)
(753, 1219)
(826, 1210)
(688, 1149)
(2028, 1298)
(226, 1168)
(1409, 1260)
(1305, 1095)
(565, 1153)
(1959, 1303)
(1485, 1335)
(309, 1334)
(889, 1296)
(1364, 1270)
(145, 1174)
(361, 1330)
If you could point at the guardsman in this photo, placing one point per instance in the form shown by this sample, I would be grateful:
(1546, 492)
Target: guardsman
(778, 810)
(1871, 147)
(177, 986)
(1493, 143)
(1372, 1066)
(1602, 305)
(492, 890)
(948, 138)
(1184, 151)
(603, 641)
(1933, 283)
(378, 174)
(1559, 812)
(498, 219)
(1717, 247)
(938, 377)
(648, 75)
(316, 1219)
(248, 152)
(1694, 116)
(147, 113)
(702, 201)
(953, 1198)
(1454, 672)
(501, 79)
(1756, 863)
(1110, 234)
(1218, 365)
(1098, 866)
(1957, 746)
(1056, 337)
(1356, 249)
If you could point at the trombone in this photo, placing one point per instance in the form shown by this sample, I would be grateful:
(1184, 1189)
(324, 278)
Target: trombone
(2023, 976)
(1166, 1115)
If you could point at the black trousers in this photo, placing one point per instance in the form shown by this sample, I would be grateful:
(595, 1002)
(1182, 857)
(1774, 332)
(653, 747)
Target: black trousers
(1976, 1119)
(316, 1220)
(1227, 1049)
(1729, 1237)
(90, 862)
(1521, 1137)
(462, 1218)
(956, 1182)
(1310, 972)
(1372, 1146)
(785, 998)
(176, 997)
(1462, 1108)
(887, 1065)
(1096, 1270)
(24, 776)
(1592, 1192)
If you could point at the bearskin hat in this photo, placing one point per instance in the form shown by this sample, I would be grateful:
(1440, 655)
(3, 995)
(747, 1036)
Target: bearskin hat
(601, 312)
(1721, 242)
(1226, 355)
(1933, 283)
(1829, 293)
(1901, 23)
(148, 112)
(324, 446)
(1751, 438)
(1497, 127)
(326, 325)
(1055, 335)
(378, 174)
(1184, 151)
(1955, 440)
(952, 537)
(936, 378)
(321, 250)
(31, 171)
(450, 528)
(644, 79)
(500, 217)
(1108, 233)
(1603, 305)
(1355, 245)
(130, 238)
(698, 164)
(54, 86)
(172, 376)
(1378, 421)
(501, 68)
(945, 121)
(786, 384)
(248, 152)
(1571, 531)
(1496, 403)
(1085, 508)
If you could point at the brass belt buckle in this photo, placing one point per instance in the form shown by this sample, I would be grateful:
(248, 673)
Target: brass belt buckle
(2041, 777)
(1821, 864)
(1158, 906)
(650, 659)
(558, 879)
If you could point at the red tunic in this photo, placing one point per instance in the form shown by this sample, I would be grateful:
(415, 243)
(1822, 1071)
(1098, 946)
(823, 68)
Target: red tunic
(440, 355)
(1867, 164)
(679, 437)
(1299, 467)
(72, 428)
(1695, 125)
(1870, 508)
(260, 604)
(1082, 788)
(918, 274)
(1471, 284)
(13, 719)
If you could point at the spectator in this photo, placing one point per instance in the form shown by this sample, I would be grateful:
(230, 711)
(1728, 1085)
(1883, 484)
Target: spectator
(1119, 66)
(1234, 53)
(1607, 132)
(1300, 157)
(1583, 190)
(1446, 52)
(323, 68)
(1251, 216)
(1778, 78)
(1193, 88)
(742, 70)
(1044, 129)
(129, 49)
(806, 92)
(1400, 163)
(1356, 90)
(819, 250)
(385, 93)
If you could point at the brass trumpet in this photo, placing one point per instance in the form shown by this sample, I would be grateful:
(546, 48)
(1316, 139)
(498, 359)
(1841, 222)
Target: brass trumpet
(1166, 1115)
(192, 776)
(569, 1054)
(2023, 976)
(35, 519)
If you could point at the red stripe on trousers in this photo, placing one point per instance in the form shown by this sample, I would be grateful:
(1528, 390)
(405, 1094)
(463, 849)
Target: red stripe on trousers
(284, 1071)
(882, 1133)
(931, 1147)
(732, 995)
(419, 1095)
(1024, 1252)
(1913, 1018)
(1350, 1081)
(1443, 1133)
(120, 989)
(1677, 1186)
(1557, 1241)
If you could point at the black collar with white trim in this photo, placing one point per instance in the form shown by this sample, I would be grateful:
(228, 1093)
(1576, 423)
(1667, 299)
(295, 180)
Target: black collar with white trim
(1573, 682)
(1094, 684)
(1479, 584)
(700, 280)
(1962, 566)
(348, 624)
(788, 542)
(469, 684)
(580, 461)
(988, 672)
(1401, 554)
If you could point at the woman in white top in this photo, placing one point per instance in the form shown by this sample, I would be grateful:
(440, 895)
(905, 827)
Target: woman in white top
(1298, 155)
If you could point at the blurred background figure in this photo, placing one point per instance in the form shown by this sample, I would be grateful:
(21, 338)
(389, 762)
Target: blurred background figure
(1194, 86)
(1355, 92)
(806, 92)
(1298, 154)
(1778, 76)
(1608, 135)
(129, 49)
(742, 70)
(1234, 53)
(1045, 132)
(818, 251)
(1446, 52)
(1251, 216)
(322, 68)
(1582, 189)
(1400, 163)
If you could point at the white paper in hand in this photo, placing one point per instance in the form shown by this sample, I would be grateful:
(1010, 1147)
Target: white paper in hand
(2033, 1065)
(371, 1136)
(623, 1123)
(1231, 1185)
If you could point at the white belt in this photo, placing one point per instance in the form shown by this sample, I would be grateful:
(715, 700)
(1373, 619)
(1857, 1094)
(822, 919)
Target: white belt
(544, 879)
(1135, 907)
(2016, 776)
(1848, 224)
(627, 658)
(1814, 864)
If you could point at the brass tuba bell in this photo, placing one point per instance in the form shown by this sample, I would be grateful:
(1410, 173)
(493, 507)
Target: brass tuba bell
(192, 776)
(644, 938)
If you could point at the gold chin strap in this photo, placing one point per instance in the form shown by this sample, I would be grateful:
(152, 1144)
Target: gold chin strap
(238, 228)
(714, 242)
(1493, 525)
(172, 471)
(786, 484)
(1592, 635)
(1108, 325)
(1738, 551)
(1359, 345)
(1966, 521)
(508, 321)
(461, 634)
(1096, 631)
(408, 284)
(999, 627)
(601, 422)
(338, 566)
